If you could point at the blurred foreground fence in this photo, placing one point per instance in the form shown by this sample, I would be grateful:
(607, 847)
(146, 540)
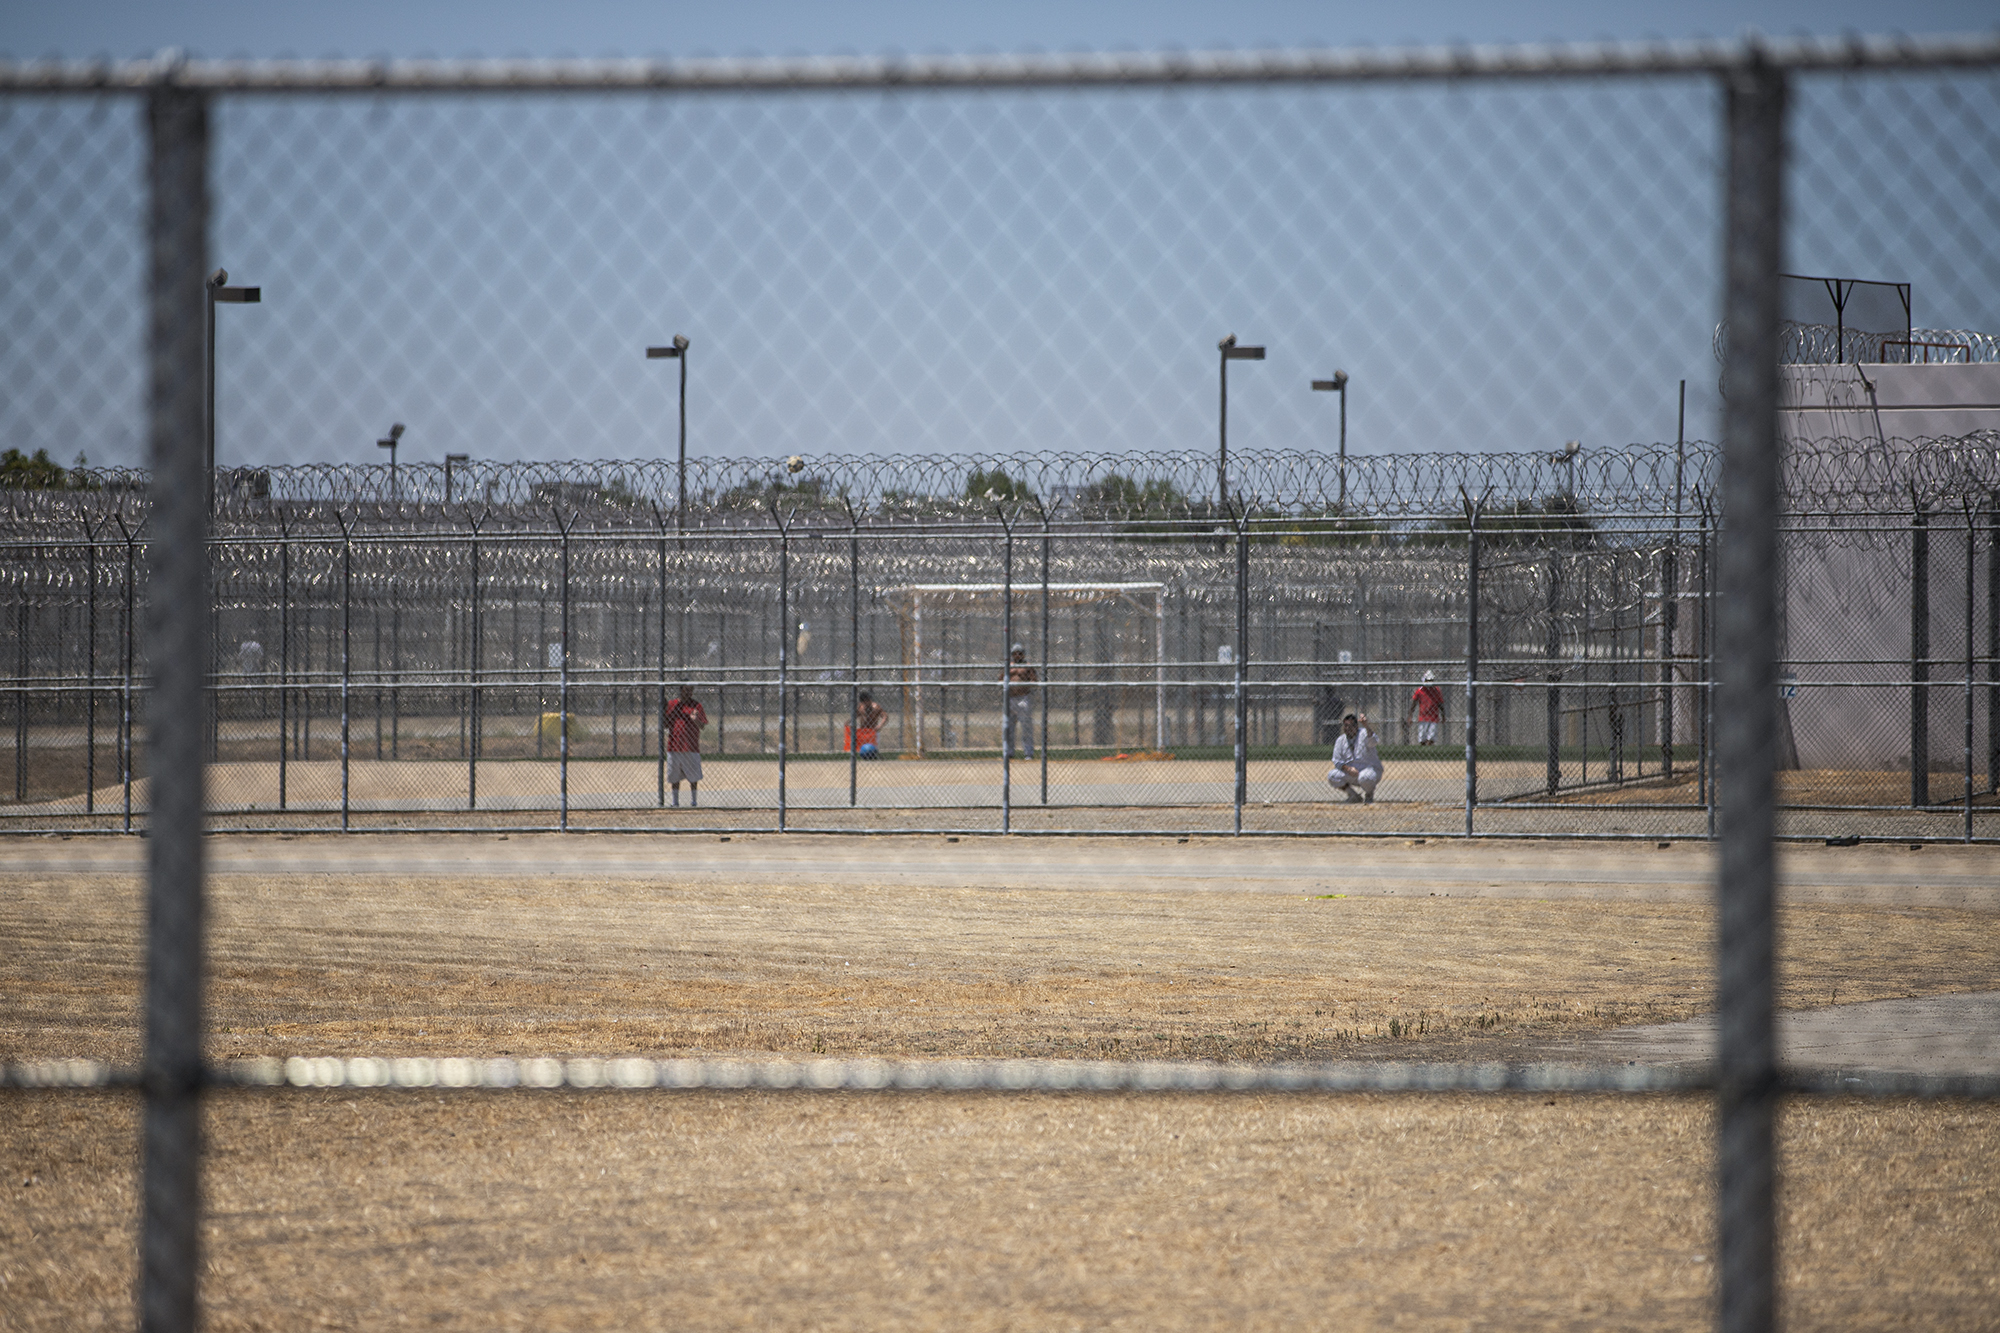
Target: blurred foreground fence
(1017, 263)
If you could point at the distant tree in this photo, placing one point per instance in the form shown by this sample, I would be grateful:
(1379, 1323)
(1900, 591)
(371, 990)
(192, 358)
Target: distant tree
(1115, 493)
(19, 472)
(1554, 520)
(996, 485)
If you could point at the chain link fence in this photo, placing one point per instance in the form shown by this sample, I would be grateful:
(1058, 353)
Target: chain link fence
(969, 303)
(382, 649)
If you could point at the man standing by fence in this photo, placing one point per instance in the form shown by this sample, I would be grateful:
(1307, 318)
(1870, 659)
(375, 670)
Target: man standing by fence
(685, 719)
(1021, 680)
(1427, 706)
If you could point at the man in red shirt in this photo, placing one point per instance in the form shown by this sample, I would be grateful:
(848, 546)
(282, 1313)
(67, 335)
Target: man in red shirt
(1427, 705)
(685, 719)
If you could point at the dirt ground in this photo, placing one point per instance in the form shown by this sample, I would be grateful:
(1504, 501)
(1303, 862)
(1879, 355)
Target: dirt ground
(796, 1211)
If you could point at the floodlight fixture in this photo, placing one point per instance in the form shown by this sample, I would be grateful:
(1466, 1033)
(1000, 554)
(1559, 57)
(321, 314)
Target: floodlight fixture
(1567, 456)
(394, 438)
(677, 351)
(1338, 384)
(1231, 351)
(220, 291)
(451, 461)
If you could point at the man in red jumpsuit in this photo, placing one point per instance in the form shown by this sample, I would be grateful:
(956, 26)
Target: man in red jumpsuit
(685, 719)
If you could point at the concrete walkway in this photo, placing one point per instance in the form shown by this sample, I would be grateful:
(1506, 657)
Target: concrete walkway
(1940, 1034)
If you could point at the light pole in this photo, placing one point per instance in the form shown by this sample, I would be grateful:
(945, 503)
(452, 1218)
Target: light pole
(678, 352)
(1567, 457)
(1339, 384)
(450, 461)
(395, 437)
(1230, 352)
(218, 290)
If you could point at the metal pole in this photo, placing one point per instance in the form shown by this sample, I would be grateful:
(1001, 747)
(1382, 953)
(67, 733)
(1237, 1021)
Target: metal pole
(661, 711)
(1670, 606)
(1473, 510)
(1222, 436)
(1920, 653)
(1042, 686)
(1552, 581)
(681, 494)
(346, 664)
(474, 657)
(21, 689)
(1746, 1048)
(1706, 762)
(853, 657)
(1006, 666)
(1160, 668)
(1242, 653)
(177, 625)
(208, 400)
(1971, 553)
(91, 673)
(1343, 447)
(784, 649)
(1993, 642)
(562, 680)
(284, 651)
(395, 669)
(125, 670)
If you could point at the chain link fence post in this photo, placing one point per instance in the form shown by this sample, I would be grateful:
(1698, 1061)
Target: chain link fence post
(1971, 645)
(177, 631)
(1920, 654)
(1242, 655)
(1746, 625)
(1473, 509)
(346, 668)
(1993, 643)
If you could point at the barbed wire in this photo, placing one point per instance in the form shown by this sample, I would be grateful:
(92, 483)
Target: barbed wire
(1834, 476)
(1832, 345)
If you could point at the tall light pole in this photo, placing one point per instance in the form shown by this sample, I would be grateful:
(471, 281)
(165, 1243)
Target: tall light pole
(678, 352)
(219, 291)
(1567, 457)
(450, 461)
(1230, 352)
(1339, 384)
(395, 437)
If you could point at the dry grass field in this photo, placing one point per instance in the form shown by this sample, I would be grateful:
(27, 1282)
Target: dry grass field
(578, 1210)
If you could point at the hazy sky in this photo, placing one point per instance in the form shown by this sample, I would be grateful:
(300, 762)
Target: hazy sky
(1498, 266)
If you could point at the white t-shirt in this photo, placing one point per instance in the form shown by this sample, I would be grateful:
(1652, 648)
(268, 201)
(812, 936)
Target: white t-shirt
(1359, 752)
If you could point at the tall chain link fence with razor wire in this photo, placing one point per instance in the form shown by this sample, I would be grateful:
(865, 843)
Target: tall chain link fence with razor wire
(382, 653)
(970, 304)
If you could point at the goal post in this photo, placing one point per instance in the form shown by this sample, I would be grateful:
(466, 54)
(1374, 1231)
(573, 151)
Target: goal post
(909, 600)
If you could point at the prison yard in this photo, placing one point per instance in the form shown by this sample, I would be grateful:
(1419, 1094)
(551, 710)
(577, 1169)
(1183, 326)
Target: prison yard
(574, 1209)
(932, 464)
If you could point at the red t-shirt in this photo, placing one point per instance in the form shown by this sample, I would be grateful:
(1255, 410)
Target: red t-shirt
(685, 719)
(1430, 703)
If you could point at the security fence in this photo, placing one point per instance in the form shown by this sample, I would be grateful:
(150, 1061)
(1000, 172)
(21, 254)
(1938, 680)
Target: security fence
(384, 657)
(997, 279)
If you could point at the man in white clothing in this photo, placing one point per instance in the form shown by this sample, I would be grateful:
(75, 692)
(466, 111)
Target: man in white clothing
(1356, 766)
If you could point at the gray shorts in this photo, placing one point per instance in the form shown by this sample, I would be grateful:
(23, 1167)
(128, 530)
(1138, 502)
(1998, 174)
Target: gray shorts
(683, 766)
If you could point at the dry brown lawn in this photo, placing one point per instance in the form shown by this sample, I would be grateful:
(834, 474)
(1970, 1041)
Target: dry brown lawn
(330, 964)
(617, 1211)
(800, 1211)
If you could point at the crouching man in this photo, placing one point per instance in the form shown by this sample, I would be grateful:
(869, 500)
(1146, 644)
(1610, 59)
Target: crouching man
(1356, 765)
